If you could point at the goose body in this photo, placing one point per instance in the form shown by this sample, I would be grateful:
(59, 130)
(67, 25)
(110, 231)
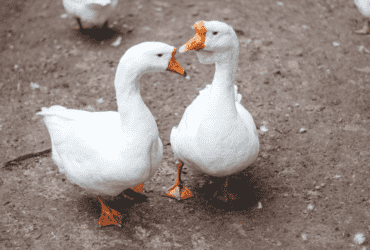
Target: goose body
(216, 134)
(90, 13)
(97, 153)
(216, 145)
(108, 152)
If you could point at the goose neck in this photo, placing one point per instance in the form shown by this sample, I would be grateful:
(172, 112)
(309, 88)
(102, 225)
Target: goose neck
(225, 72)
(127, 90)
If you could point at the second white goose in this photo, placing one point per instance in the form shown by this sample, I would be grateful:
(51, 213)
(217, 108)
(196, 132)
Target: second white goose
(216, 134)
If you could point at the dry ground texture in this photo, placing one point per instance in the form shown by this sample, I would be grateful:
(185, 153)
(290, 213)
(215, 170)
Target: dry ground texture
(297, 70)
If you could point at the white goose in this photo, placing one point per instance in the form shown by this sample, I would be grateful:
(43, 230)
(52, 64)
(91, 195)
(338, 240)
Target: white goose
(90, 13)
(364, 7)
(216, 134)
(108, 152)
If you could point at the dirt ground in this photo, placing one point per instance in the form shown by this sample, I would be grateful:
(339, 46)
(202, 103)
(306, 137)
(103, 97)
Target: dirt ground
(298, 74)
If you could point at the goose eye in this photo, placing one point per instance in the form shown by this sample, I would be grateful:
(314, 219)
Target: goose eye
(159, 55)
(215, 33)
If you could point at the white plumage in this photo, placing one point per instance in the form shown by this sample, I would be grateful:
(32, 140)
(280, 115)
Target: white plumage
(91, 13)
(108, 152)
(216, 134)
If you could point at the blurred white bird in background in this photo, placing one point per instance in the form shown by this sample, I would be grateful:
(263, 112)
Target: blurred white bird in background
(90, 13)
(364, 7)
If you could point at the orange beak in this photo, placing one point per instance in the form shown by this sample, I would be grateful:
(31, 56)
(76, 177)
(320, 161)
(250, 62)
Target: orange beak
(197, 42)
(174, 66)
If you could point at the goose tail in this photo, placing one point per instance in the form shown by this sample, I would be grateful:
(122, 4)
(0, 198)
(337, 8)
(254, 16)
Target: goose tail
(53, 110)
(57, 123)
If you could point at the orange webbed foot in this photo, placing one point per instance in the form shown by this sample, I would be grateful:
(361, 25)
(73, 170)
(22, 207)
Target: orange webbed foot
(109, 216)
(138, 188)
(365, 30)
(179, 191)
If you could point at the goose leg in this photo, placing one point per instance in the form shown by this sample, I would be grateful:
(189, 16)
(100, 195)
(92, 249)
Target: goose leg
(365, 29)
(79, 23)
(109, 216)
(179, 191)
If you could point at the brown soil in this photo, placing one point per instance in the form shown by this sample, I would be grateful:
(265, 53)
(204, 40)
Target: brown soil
(296, 70)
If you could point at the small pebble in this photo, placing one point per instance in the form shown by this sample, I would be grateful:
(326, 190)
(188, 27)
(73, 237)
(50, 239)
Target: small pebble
(304, 237)
(259, 205)
(263, 128)
(34, 85)
(336, 43)
(302, 130)
(362, 49)
(359, 238)
(117, 41)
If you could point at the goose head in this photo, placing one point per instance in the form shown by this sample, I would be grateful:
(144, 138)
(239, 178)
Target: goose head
(214, 41)
(144, 58)
(150, 57)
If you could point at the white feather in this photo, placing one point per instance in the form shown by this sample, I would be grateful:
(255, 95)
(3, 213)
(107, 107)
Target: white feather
(108, 152)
